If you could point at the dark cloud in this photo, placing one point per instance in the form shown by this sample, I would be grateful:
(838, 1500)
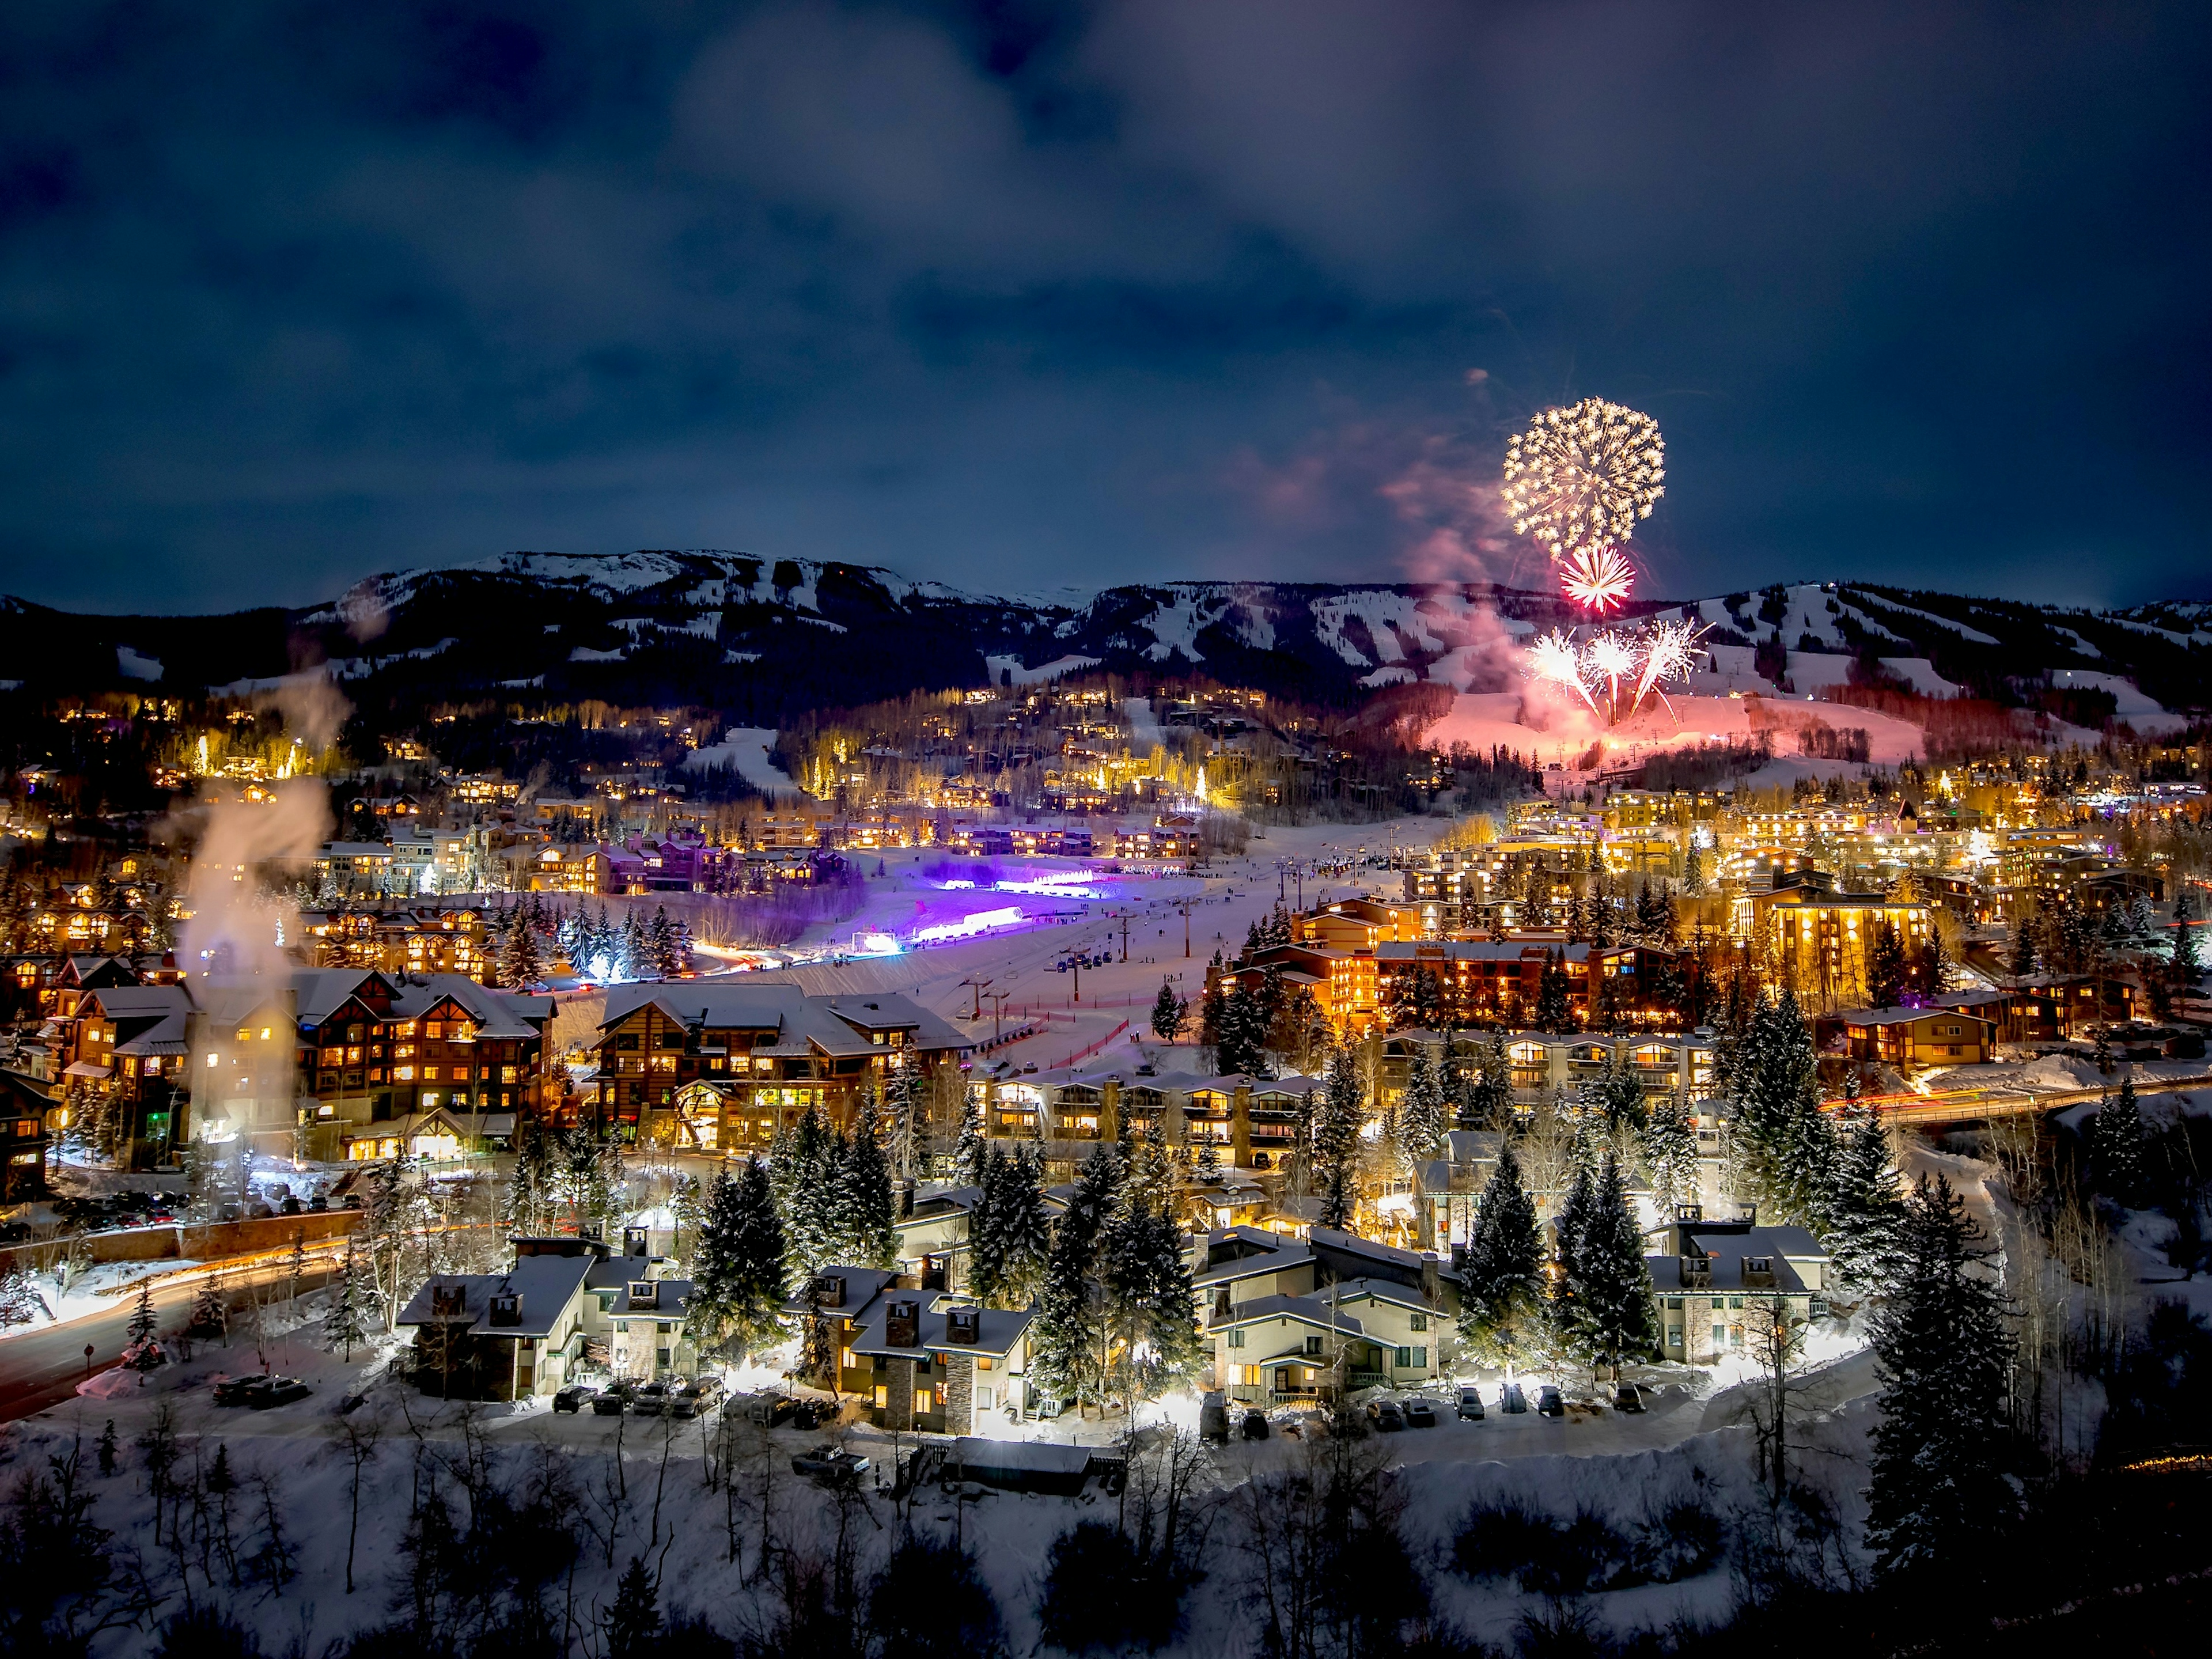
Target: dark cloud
(1025, 295)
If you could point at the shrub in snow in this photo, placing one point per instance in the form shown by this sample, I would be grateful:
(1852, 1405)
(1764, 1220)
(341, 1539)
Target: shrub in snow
(1102, 1591)
(931, 1603)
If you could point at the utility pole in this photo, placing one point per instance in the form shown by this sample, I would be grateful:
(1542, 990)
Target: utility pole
(1186, 930)
(1125, 936)
(998, 1002)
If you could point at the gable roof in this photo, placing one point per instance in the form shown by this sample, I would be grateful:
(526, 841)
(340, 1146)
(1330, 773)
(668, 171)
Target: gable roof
(547, 1284)
(1314, 1309)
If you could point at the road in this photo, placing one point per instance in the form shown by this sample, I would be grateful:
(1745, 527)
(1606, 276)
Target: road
(38, 1368)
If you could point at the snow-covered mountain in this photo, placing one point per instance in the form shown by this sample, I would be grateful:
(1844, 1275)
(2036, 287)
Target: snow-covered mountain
(762, 636)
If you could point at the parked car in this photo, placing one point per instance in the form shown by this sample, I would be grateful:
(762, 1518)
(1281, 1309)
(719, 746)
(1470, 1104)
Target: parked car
(1470, 1405)
(651, 1399)
(1628, 1398)
(1510, 1399)
(1213, 1416)
(571, 1398)
(1383, 1415)
(770, 1411)
(828, 1466)
(1548, 1402)
(812, 1413)
(281, 1391)
(1256, 1424)
(695, 1396)
(610, 1401)
(1420, 1413)
(239, 1390)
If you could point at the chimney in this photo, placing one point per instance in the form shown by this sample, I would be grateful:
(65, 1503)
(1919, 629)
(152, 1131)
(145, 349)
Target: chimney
(963, 1325)
(903, 1324)
(644, 1293)
(448, 1301)
(505, 1306)
(828, 1291)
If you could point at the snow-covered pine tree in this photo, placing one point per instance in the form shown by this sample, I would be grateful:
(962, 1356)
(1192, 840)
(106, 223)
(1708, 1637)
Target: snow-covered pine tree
(519, 967)
(1670, 1153)
(1939, 1499)
(210, 1317)
(1025, 1225)
(867, 1182)
(1555, 1011)
(2185, 967)
(1501, 1276)
(986, 1234)
(1693, 870)
(1066, 1349)
(969, 1151)
(344, 1327)
(1886, 965)
(1149, 1305)
(1336, 1127)
(2116, 1145)
(737, 1262)
(1425, 1118)
(1149, 1177)
(1488, 1103)
(142, 1351)
(1783, 1146)
(20, 1301)
(660, 943)
(1167, 1013)
(1865, 1208)
(1605, 1288)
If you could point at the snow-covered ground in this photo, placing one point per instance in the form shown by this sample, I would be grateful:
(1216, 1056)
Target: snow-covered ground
(1629, 1470)
(96, 1292)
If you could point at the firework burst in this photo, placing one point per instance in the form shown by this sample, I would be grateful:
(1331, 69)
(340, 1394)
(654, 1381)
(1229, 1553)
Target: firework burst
(1615, 672)
(1577, 481)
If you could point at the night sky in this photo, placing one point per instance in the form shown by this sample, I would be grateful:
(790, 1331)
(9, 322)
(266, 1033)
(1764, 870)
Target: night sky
(1020, 295)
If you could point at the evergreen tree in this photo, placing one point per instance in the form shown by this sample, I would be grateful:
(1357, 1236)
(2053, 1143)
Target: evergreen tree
(1488, 1103)
(518, 966)
(2116, 1145)
(803, 1172)
(1336, 1128)
(531, 1185)
(869, 1231)
(1427, 1116)
(1501, 1275)
(2185, 968)
(210, 1317)
(1935, 964)
(142, 1351)
(1605, 1289)
(1150, 1308)
(986, 1238)
(660, 943)
(1167, 1013)
(1066, 1350)
(1865, 1209)
(1212, 1005)
(2023, 947)
(1241, 1047)
(1614, 1093)
(1886, 966)
(634, 1621)
(1785, 1149)
(969, 1151)
(345, 1328)
(1694, 870)
(1336, 1198)
(1939, 1499)
(738, 1269)
(1555, 1010)
(1670, 1152)
(1025, 1225)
